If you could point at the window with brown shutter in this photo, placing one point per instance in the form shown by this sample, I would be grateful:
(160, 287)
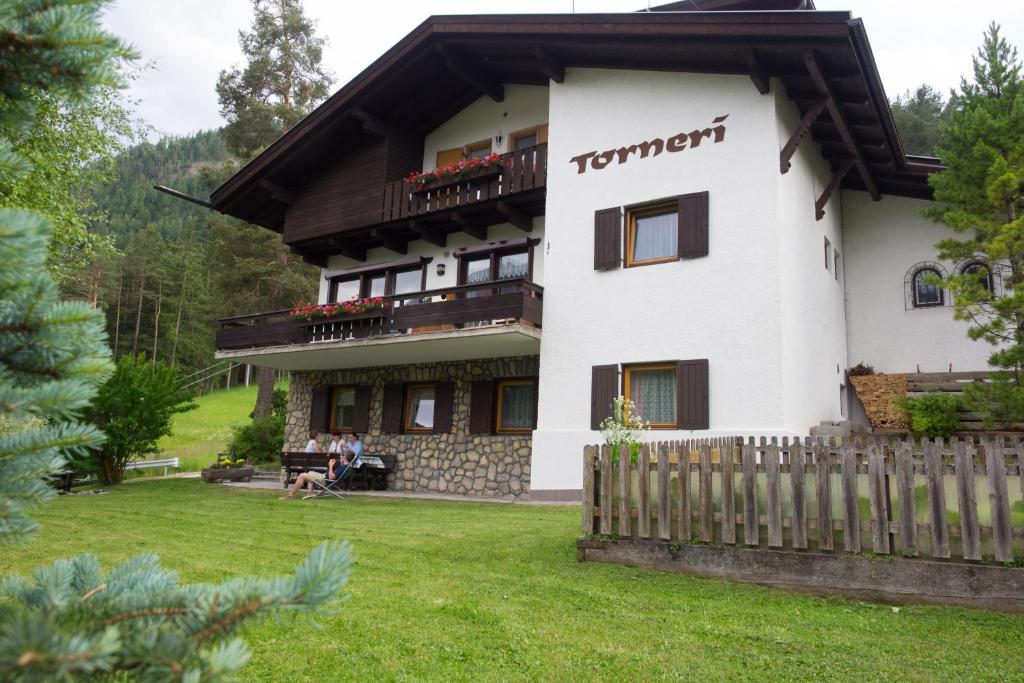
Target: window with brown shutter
(692, 394)
(604, 388)
(693, 225)
(444, 402)
(391, 420)
(607, 239)
(361, 417)
(481, 406)
(318, 408)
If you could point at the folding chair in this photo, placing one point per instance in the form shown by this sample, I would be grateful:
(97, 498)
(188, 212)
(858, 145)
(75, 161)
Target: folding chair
(332, 487)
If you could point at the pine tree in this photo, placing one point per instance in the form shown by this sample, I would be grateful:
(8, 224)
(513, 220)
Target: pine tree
(918, 116)
(982, 197)
(70, 620)
(281, 83)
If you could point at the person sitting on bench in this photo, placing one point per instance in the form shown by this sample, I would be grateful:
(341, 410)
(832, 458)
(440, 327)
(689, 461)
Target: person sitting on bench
(352, 450)
(312, 446)
(335, 470)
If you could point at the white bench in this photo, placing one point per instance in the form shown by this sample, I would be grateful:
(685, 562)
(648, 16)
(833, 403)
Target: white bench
(147, 464)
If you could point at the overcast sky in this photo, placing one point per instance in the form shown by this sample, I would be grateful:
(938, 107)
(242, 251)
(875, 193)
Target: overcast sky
(188, 42)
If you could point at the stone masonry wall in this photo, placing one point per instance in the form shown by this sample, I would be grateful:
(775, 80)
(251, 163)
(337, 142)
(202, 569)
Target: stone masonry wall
(454, 463)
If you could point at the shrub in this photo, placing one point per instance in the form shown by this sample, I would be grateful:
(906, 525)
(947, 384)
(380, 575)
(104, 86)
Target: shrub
(260, 440)
(859, 370)
(935, 414)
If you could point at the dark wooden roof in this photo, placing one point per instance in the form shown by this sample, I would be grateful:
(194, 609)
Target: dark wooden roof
(448, 62)
(732, 6)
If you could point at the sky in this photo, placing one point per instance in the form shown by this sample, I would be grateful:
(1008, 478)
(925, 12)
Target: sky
(186, 43)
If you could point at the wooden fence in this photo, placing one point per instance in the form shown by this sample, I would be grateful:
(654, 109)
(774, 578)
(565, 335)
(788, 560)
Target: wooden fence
(887, 497)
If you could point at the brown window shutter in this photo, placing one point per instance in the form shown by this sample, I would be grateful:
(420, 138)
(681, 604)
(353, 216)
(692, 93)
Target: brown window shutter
(319, 408)
(481, 406)
(604, 388)
(693, 225)
(361, 409)
(692, 394)
(444, 399)
(608, 239)
(394, 397)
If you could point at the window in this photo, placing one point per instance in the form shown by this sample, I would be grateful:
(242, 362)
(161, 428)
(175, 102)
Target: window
(652, 234)
(517, 406)
(652, 388)
(981, 272)
(478, 150)
(835, 262)
(927, 289)
(503, 262)
(343, 409)
(528, 137)
(419, 408)
(402, 279)
(828, 254)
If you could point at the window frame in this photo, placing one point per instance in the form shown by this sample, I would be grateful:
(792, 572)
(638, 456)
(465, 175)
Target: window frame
(524, 132)
(365, 278)
(990, 278)
(494, 256)
(659, 208)
(332, 408)
(828, 254)
(407, 408)
(913, 288)
(468, 149)
(628, 368)
(496, 421)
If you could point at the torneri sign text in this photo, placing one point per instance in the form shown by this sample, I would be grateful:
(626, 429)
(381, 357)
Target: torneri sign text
(653, 147)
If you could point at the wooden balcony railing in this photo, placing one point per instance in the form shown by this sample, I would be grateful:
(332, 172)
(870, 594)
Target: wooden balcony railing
(450, 308)
(522, 170)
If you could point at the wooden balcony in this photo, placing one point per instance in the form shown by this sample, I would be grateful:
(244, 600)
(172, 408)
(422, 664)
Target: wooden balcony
(477, 310)
(521, 171)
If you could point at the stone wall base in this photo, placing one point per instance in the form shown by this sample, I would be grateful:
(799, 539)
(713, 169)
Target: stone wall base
(898, 580)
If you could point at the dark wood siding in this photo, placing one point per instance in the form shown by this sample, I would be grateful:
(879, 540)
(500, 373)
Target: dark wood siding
(604, 387)
(607, 239)
(444, 399)
(692, 394)
(341, 195)
(394, 397)
(481, 407)
(318, 408)
(693, 225)
(361, 409)
(405, 155)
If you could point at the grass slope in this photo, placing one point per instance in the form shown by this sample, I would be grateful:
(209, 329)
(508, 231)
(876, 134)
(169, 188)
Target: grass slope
(472, 591)
(198, 435)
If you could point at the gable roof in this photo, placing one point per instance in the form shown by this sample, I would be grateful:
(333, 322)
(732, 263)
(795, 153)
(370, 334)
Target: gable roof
(447, 62)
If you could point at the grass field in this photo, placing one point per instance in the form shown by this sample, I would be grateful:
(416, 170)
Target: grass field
(200, 434)
(474, 591)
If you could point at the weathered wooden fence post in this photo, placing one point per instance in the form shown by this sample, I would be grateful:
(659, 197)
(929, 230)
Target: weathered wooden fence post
(588, 490)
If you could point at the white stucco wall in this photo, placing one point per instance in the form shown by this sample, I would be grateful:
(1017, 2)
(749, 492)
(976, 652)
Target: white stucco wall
(524, 106)
(812, 315)
(446, 255)
(727, 307)
(883, 240)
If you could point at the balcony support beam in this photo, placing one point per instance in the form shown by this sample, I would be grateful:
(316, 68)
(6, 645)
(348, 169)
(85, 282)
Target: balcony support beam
(833, 185)
(346, 251)
(515, 216)
(391, 242)
(758, 73)
(473, 228)
(372, 124)
(551, 67)
(278, 193)
(802, 129)
(431, 236)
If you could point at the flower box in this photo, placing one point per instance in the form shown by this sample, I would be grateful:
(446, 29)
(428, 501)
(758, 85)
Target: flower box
(341, 309)
(213, 475)
(481, 175)
(469, 169)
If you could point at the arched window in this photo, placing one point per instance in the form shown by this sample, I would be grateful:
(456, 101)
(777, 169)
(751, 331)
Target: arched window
(981, 271)
(927, 288)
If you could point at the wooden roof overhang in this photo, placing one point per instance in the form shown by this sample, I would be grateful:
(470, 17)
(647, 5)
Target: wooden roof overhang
(823, 59)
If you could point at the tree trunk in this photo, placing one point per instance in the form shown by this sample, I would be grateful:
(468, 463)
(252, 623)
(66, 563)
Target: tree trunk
(138, 311)
(264, 394)
(117, 317)
(156, 320)
(177, 322)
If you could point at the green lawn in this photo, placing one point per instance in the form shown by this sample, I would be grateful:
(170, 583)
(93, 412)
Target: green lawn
(200, 434)
(475, 591)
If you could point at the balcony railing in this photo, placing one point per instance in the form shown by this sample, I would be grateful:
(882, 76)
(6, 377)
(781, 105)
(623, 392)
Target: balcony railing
(521, 171)
(447, 309)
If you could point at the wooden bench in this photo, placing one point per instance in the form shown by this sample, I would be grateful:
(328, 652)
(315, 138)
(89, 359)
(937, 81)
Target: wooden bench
(68, 479)
(376, 478)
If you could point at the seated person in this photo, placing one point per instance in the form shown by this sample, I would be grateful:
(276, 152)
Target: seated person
(334, 471)
(312, 446)
(336, 444)
(352, 450)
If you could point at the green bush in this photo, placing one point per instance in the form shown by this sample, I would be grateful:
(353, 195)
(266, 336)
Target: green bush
(260, 440)
(936, 414)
